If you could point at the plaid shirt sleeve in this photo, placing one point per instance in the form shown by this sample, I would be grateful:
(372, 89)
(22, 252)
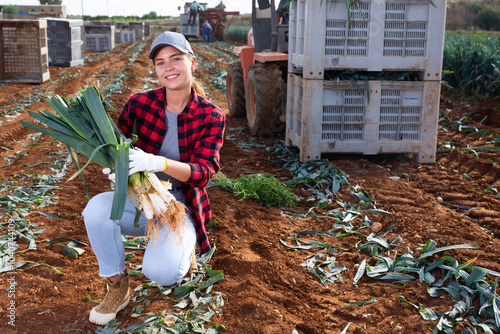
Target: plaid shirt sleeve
(206, 133)
(201, 133)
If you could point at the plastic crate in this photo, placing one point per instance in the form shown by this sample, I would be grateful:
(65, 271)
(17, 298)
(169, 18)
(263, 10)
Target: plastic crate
(65, 42)
(124, 36)
(122, 32)
(23, 51)
(99, 42)
(99, 38)
(138, 28)
(338, 117)
(190, 30)
(99, 29)
(393, 35)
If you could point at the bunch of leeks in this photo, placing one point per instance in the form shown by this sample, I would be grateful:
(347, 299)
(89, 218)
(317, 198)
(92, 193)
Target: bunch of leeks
(84, 125)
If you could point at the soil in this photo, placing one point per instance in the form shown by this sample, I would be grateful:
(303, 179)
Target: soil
(265, 288)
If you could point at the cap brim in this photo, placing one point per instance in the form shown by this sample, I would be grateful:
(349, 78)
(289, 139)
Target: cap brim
(159, 46)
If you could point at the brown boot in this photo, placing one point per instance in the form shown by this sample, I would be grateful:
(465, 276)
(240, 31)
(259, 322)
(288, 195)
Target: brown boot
(117, 297)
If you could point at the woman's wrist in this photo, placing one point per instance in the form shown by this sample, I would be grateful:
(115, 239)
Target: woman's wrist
(166, 165)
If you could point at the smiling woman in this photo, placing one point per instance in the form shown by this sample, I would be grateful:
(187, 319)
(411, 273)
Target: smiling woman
(178, 135)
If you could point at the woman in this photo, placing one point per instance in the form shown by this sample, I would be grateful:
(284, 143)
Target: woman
(179, 136)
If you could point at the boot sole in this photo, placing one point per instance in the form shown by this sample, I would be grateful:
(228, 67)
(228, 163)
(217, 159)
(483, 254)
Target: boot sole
(102, 319)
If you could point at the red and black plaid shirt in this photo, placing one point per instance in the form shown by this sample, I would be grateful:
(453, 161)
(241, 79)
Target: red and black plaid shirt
(200, 129)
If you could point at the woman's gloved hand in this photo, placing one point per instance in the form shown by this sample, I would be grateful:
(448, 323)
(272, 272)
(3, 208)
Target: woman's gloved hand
(111, 176)
(140, 161)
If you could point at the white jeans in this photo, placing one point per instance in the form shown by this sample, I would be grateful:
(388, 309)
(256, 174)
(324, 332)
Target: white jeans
(165, 261)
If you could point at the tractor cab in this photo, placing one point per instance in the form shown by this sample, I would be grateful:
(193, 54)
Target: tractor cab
(268, 33)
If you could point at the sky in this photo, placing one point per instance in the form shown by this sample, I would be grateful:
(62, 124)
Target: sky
(133, 7)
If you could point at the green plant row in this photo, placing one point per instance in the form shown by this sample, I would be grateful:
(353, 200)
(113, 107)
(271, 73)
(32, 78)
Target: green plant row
(237, 33)
(472, 63)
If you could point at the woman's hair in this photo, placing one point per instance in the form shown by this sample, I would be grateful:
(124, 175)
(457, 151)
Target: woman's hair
(197, 86)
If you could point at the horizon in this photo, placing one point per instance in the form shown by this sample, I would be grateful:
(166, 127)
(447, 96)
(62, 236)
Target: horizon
(131, 7)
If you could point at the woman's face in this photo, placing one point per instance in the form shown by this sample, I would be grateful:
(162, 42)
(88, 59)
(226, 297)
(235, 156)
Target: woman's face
(174, 68)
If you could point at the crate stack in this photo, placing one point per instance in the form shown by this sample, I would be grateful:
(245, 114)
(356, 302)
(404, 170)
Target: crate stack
(23, 51)
(123, 33)
(99, 37)
(374, 117)
(65, 42)
(138, 29)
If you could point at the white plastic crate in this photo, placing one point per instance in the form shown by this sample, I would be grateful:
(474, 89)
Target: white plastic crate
(337, 117)
(99, 42)
(124, 36)
(23, 51)
(99, 38)
(138, 28)
(123, 33)
(65, 42)
(393, 35)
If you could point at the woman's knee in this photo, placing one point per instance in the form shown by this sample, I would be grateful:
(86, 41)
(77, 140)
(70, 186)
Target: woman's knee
(98, 209)
(167, 261)
(163, 274)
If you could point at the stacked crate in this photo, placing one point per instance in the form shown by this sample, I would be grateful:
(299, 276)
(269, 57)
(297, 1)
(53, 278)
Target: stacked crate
(123, 34)
(65, 42)
(23, 51)
(99, 37)
(138, 29)
(367, 117)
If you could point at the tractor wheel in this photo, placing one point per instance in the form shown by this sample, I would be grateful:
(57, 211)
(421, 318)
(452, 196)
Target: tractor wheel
(220, 34)
(264, 100)
(235, 90)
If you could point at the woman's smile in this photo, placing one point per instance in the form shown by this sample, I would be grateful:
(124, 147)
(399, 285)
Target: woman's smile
(172, 76)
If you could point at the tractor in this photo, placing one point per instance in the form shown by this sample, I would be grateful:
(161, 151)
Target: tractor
(217, 17)
(256, 85)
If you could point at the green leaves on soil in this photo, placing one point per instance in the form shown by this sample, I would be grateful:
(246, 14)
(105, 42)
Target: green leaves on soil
(195, 305)
(263, 188)
(467, 284)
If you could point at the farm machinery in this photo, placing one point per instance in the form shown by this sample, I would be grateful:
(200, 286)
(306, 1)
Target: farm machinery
(256, 85)
(216, 16)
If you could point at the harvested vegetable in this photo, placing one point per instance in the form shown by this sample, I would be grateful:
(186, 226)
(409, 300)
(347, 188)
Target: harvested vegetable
(83, 124)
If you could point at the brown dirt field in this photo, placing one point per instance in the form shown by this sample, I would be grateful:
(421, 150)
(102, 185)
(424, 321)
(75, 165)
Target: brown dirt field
(265, 288)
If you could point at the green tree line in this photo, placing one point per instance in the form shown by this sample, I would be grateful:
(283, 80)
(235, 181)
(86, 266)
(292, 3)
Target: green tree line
(473, 15)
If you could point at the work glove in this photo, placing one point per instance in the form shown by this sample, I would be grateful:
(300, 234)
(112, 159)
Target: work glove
(107, 171)
(140, 161)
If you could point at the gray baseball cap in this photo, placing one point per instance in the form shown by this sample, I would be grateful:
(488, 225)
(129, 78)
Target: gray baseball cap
(170, 38)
